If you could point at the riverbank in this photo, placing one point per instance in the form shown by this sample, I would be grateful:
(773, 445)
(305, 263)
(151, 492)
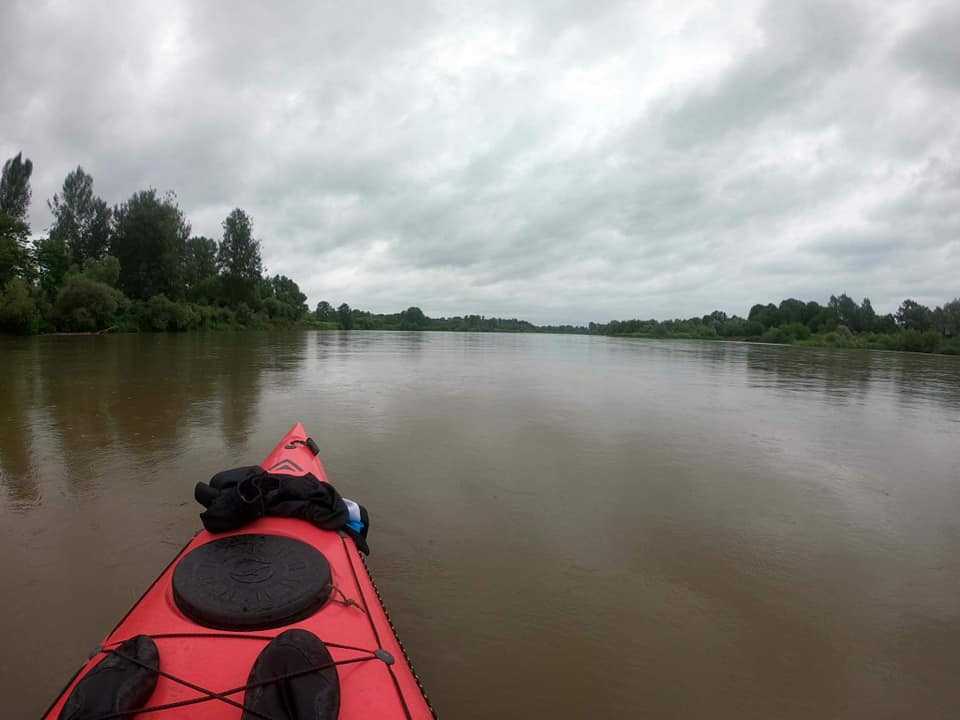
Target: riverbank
(88, 305)
(928, 343)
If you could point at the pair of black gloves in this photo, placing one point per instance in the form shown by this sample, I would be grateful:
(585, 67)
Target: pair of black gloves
(236, 497)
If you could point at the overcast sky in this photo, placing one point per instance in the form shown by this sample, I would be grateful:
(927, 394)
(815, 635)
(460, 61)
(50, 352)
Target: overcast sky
(558, 161)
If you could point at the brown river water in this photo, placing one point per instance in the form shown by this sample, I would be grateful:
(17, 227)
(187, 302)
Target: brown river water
(563, 526)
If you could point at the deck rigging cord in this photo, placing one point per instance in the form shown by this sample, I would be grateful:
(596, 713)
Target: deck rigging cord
(208, 695)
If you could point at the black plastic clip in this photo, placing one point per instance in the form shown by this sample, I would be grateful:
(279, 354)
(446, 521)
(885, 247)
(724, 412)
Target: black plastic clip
(384, 655)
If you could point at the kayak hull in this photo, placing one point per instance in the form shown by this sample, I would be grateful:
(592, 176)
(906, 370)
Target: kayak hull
(219, 660)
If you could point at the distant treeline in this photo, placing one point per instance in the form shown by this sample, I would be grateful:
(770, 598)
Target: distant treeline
(842, 322)
(131, 267)
(346, 318)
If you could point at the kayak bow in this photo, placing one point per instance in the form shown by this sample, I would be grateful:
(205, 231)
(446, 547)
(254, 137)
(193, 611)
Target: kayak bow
(271, 575)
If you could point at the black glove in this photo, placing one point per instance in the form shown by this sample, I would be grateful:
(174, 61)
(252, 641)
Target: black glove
(233, 498)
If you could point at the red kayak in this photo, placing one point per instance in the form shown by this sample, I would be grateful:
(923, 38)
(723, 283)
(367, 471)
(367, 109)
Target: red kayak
(271, 574)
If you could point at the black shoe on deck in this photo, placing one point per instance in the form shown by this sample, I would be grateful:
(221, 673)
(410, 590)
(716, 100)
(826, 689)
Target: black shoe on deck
(313, 696)
(115, 685)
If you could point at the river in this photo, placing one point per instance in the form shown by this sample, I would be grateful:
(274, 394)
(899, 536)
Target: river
(563, 526)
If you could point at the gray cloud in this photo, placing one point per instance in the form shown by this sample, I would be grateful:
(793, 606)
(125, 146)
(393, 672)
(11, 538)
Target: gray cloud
(561, 162)
(932, 47)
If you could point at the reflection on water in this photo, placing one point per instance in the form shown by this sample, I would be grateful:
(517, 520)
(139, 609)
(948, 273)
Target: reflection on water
(82, 396)
(17, 398)
(851, 376)
(563, 526)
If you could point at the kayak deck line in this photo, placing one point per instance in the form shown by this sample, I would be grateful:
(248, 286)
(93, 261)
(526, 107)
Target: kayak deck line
(223, 696)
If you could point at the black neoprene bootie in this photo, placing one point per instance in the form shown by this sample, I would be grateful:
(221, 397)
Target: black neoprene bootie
(311, 696)
(116, 685)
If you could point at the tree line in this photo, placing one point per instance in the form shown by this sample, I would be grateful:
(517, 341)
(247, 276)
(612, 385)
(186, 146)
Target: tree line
(841, 322)
(413, 318)
(131, 267)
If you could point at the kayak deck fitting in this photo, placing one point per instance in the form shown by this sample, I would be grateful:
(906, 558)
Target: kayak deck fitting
(226, 595)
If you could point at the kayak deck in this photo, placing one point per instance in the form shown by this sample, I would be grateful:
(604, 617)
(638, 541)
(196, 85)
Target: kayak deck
(352, 622)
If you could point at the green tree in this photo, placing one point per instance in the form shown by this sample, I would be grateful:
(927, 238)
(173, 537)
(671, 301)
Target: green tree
(325, 312)
(810, 311)
(163, 314)
(913, 316)
(149, 237)
(288, 292)
(53, 263)
(14, 229)
(715, 321)
(345, 317)
(767, 315)
(885, 324)
(15, 192)
(277, 310)
(13, 237)
(413, 319)
(18, 312)
(265, 288)
(846, 310)
(84, 305)
(80, 218)
(866, 317)
(948, 318)
(199, 264)
(791, 311)
(105, 270)
(825, 320)
(239, 258)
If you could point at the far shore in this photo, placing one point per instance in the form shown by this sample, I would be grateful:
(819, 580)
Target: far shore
(831, 340)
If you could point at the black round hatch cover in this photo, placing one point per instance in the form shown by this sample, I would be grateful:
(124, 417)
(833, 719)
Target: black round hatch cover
(251, 582)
